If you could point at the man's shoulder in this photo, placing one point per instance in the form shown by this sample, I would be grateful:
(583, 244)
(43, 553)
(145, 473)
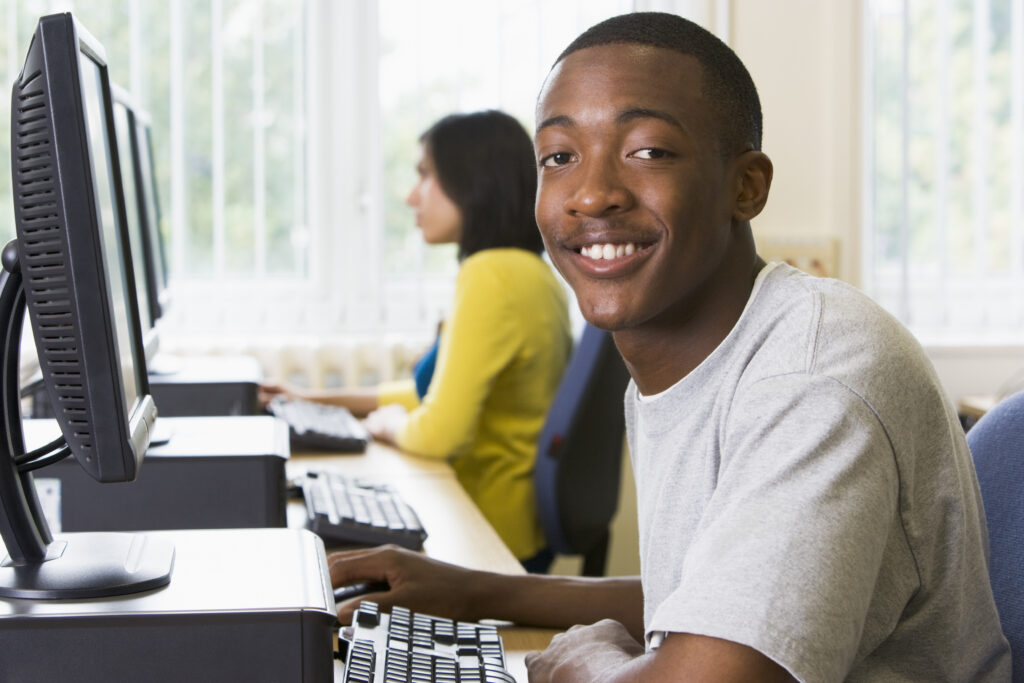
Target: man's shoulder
(828, 328)
(825, 312)
(785, 289)
(799, 323)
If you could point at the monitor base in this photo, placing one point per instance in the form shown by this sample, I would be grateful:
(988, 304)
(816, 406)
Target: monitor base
(91, 565)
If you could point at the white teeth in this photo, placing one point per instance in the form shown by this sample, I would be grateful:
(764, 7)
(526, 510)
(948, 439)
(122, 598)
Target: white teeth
(608, 251)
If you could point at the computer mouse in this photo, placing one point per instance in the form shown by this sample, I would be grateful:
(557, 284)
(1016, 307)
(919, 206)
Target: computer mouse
(354, 590)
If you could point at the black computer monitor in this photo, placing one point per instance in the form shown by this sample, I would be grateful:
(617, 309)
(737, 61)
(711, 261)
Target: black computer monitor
(69, 268)
(135, 218)
(158, 285)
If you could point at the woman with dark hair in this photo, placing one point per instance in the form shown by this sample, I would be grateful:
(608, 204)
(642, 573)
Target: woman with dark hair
(503, 348)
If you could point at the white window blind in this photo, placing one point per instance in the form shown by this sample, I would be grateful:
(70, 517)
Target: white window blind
(944, 181)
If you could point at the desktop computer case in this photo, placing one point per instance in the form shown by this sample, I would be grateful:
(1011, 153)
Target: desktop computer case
(251, 605)
(214, 473)
(200, 386)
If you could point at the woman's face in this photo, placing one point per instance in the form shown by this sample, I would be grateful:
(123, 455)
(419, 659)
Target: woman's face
(436, 215)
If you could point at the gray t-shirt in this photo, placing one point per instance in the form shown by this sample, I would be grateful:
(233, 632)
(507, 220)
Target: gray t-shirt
(807, 491)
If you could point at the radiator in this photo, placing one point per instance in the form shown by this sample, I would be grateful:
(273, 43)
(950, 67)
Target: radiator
(316, 363)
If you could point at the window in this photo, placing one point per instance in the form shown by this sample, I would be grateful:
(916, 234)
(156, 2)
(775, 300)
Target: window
(285, 136)
(223, 82)
(944, 184)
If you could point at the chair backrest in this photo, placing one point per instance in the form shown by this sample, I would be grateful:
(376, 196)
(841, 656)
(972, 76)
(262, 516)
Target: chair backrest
(997, 445)
(579, 453)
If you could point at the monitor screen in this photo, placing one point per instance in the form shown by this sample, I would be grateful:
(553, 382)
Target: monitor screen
(156, 252)
(134, 218)
(100, 147)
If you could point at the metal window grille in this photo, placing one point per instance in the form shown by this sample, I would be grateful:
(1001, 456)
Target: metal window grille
(944, 180)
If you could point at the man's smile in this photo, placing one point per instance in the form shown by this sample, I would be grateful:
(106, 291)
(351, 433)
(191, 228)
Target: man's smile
(607, 251)
(609, 258)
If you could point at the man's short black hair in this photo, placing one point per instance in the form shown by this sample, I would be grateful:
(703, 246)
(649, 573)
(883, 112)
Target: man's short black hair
(727, 83)
(485, 163)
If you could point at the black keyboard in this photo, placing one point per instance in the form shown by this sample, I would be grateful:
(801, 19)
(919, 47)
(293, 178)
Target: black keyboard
(315, 426)
(406, 647)
(350, 511)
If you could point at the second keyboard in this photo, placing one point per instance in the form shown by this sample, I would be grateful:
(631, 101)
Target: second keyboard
(350, 511)
(315, 426)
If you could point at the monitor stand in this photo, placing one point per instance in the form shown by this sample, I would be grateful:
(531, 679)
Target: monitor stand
(89, 565)
(213, 472)
(242, 605)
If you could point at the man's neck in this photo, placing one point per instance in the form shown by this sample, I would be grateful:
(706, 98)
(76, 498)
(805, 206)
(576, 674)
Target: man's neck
(661, 353)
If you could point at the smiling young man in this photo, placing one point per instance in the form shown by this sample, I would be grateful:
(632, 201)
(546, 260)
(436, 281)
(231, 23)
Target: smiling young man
(807, 505)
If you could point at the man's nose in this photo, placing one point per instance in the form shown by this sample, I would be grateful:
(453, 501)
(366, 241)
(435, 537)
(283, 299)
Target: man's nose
(601, 190)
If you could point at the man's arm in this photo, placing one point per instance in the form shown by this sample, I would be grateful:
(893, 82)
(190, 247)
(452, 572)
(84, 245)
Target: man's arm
(422, 584)
(605, 651)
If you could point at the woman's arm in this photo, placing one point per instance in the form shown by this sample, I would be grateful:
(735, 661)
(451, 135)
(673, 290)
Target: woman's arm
(359, 401)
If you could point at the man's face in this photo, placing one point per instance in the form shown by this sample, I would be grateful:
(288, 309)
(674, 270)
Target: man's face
(635, 201)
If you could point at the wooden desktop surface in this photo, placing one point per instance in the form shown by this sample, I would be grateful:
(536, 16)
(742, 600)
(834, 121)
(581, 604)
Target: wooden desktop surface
(456, 530)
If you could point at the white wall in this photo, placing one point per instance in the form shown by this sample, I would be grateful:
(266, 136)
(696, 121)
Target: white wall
(803, 55)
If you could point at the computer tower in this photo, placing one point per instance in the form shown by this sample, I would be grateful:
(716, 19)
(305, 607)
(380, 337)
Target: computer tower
(212, 472)
(250, 605)
(197, 386)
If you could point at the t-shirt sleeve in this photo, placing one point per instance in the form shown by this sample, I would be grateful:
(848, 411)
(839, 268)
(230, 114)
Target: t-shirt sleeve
(786, 556)
(479, 341)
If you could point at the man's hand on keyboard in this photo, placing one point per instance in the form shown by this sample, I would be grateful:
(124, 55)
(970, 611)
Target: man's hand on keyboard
(584, 653)
(416, 581)
(385, 422)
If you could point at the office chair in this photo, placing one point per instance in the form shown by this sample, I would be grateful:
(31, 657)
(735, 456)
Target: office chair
(579, 453)
(997, 444)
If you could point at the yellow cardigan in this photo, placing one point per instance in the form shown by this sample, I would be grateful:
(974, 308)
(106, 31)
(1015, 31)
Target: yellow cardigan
(502, 353)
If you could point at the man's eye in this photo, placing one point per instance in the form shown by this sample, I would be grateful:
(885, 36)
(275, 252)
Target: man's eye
(556, 159)
(650, 153)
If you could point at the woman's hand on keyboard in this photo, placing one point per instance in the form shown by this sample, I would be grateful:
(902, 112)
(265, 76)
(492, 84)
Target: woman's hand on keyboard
(269, 391)
(416, 582)
(385, 422)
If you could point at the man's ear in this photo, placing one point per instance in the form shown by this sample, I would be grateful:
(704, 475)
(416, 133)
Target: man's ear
(753, 173)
